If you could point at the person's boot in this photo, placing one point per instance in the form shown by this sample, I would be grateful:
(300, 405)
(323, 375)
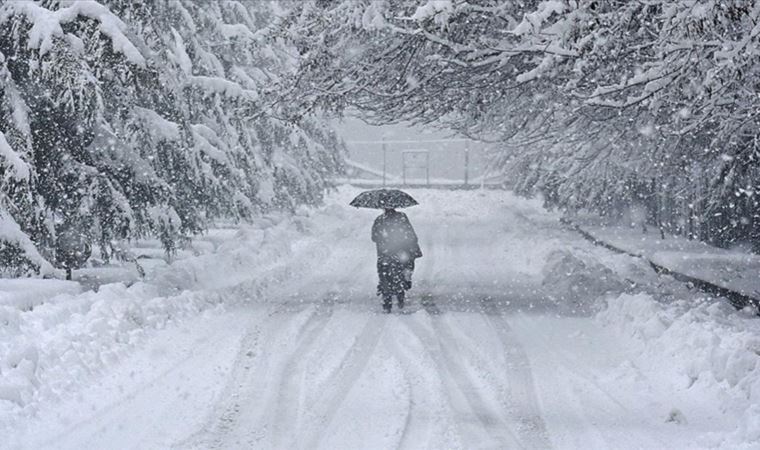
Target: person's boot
(401, 297)
(387, 304)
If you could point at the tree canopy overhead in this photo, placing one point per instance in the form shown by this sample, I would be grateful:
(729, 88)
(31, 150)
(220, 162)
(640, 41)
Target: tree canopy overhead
(599, 103)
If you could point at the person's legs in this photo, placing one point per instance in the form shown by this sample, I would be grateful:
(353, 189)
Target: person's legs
(392, 275)
(387, 303)
(408, 271)
(396, 272)
(385, 282)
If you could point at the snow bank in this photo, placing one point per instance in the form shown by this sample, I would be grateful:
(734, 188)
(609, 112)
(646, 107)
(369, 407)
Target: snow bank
(708, 354)
(26, 293)
(45, 351)
(576, 282)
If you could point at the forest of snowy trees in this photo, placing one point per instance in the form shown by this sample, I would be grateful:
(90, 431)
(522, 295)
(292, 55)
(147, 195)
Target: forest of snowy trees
(599, 104)
(122, 119)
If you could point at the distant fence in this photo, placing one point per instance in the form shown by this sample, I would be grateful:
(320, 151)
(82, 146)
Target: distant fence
(447, 184)
(435, 163)
(366, 176)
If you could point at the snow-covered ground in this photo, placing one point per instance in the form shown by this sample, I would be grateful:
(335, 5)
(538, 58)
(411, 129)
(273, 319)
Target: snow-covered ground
(518, 334)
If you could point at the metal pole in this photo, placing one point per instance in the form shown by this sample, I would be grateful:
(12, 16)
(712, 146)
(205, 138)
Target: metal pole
(403, 166)
(427, 168)
(384, 160)
(466, 162)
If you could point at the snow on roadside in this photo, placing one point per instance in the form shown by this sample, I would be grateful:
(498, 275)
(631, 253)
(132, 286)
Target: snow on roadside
(50, 350)
(26, 293)
(733, 269)
(679, 346)
(704, 351)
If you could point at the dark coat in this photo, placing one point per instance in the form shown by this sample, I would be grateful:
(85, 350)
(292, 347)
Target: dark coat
(395, 237)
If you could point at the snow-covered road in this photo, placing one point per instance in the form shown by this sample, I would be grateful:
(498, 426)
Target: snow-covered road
(481, 357)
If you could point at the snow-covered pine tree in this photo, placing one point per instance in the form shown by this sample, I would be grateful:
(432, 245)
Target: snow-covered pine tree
(123, 119)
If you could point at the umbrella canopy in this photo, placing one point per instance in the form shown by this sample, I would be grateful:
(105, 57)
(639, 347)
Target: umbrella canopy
(383, 198)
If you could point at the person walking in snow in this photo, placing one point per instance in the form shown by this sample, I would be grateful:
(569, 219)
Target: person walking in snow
(397, 248)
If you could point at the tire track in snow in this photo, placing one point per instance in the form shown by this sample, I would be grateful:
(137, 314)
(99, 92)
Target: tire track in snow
(516, 389)
(410, 422)
(285, 404)
(351, 368)
(523, 401)
(224, 415)
(486, 420)
(255, 370)
(429, 412)
(481, 416)
(234, 423)
(573, 368)
(573, 373)
(275, 423)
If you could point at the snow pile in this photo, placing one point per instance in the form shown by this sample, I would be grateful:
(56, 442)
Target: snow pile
(574, 281)
(59, 344)
(50, 350)
(256, 253)
(706, 352)
(26, 293)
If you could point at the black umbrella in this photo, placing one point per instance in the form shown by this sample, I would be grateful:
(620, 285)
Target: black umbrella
(383, 198)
